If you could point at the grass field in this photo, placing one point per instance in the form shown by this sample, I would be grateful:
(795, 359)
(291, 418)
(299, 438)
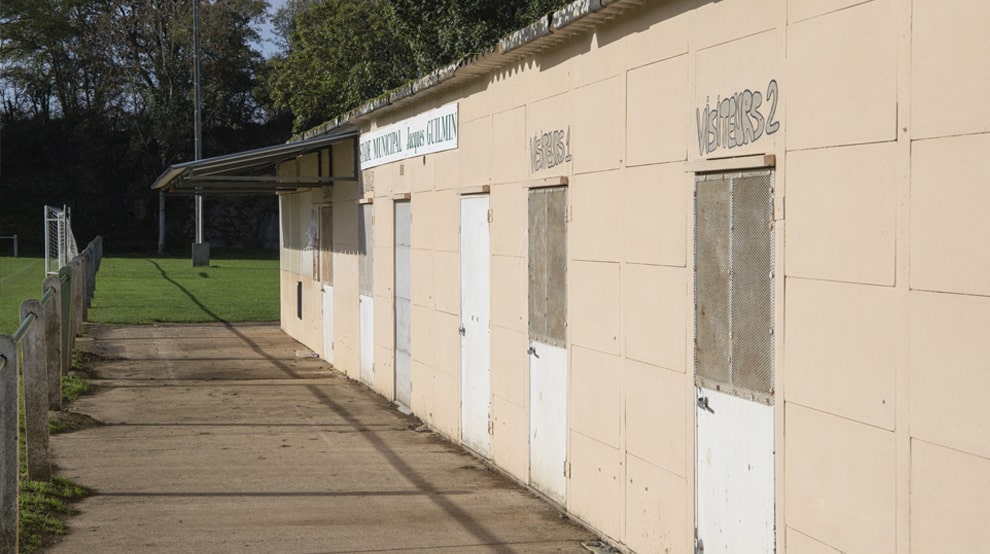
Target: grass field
(20, 279)
(152, 290)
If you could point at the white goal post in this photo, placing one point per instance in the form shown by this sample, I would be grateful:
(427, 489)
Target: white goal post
(60, 244)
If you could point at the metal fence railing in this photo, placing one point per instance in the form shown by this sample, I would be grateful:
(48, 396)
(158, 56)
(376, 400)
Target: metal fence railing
(40, 353)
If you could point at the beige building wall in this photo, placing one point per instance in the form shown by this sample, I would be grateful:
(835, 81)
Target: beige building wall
(881, 262)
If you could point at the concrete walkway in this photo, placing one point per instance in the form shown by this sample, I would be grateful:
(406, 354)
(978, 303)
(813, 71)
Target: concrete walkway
(220, 438)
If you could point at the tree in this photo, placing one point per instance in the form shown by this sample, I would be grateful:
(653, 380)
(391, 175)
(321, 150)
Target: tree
(98, 100)
(442, 31)
(341, 53)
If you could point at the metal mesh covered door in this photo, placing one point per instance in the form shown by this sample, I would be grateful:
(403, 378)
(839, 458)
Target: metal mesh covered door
(734, 302)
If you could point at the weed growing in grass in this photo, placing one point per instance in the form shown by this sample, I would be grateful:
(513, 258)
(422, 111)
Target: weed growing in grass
(43, 506)
(73, 386)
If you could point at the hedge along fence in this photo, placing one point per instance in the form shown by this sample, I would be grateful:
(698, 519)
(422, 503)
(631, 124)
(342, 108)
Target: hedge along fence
(44, 341)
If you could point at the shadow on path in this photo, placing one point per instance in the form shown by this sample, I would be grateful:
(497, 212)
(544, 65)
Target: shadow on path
(458, 514)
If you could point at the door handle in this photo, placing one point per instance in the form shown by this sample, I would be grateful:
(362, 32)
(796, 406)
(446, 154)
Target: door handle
(532, 351)
(460, 329)
(703, 404)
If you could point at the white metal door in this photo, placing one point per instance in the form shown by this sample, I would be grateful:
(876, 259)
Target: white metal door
(328, 323)
(366, 299)
(547, 341)
(734, 474)
(548, 419)
(403, 308)
(475, 326)
(733, 362)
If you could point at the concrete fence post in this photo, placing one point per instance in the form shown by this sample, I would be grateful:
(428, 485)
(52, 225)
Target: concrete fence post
(34, 372)
(84, 263)
(8, 445)
(65, 302)
(78, 300)
(53, 341)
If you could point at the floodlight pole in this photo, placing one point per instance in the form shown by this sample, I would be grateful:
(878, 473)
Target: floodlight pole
(201, 249)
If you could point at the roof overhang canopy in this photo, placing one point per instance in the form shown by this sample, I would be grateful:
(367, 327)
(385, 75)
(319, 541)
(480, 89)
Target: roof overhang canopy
(251, 172)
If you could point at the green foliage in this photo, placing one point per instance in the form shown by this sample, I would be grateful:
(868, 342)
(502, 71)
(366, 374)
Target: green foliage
(442, 31)
(42, 507)
(342, 52)
(151, 290)
(73, 387)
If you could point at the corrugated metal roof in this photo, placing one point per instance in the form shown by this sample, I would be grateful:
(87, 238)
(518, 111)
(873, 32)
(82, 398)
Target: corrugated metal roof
(250, 172)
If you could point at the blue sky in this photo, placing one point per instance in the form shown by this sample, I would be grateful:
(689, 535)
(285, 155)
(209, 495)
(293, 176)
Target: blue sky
(267, 46)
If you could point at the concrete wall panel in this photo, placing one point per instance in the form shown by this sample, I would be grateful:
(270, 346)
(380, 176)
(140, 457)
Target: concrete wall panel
(422, 277)
(845, 93)
(596, 486)
(594, 305)
(509, 220)
(510, 441)
(654, 214)
(949, 68)
(595, 58)
(448, 168)
(422, 336)
(421, 395)
(658, 520)
(447, 282)
(799, 10)
(596, 211)
(510, 365)
(840, 487)
(447, 404)
(655, 413)
(346, 322)
(949, 223)
(722, 73)
(721, 22)
(475, 101)
(309, 329)
(596, 385)
(841, 349)
(510, 292)
(510, 147)
(662, 33)
(658, 100)
(342, 158)
(446, 344)
(597, 142)
(655, 314)
(950, 500)
(545, 117)
(842, 213)
(384, 269)
(803, 544)
(421, 173)
(423, 227)
(475, 147)
(949, 378)
(384, 370)
(446, 220)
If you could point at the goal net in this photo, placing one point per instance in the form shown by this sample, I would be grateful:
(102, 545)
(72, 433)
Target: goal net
(60, 244)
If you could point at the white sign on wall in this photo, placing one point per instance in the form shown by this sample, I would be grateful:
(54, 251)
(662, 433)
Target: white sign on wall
(429, 132)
